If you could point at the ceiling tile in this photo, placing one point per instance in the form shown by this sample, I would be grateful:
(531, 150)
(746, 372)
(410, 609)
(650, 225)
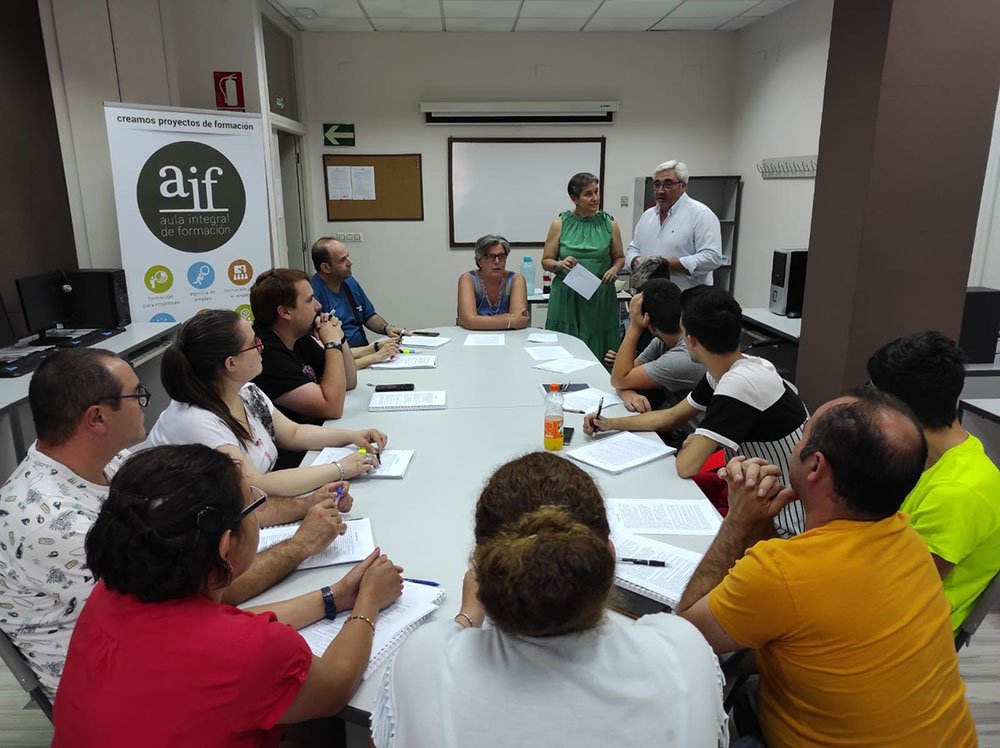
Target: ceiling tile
(323, 8)
(601, 23)
(402, 8)
(688, 24)
(479, 9)
(739, 23)
(549, 24)
(407, 24)
(479, 24)
(338, 24)
(555, 9)
(724, 9)
(769, 6)
(655, 9)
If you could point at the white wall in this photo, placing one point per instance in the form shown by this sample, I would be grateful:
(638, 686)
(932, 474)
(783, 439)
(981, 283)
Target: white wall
(781, 73)
(675, 89)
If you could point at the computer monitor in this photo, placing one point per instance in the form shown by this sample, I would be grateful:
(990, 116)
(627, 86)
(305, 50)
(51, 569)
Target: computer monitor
(7, 336)
(44, 303)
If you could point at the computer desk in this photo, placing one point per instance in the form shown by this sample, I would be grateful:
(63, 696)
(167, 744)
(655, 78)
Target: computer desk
(139, 343)
(495, 412)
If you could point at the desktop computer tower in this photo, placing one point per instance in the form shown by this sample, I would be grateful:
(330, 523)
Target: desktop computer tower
(980, 324)
(99, 299)
(788, 282)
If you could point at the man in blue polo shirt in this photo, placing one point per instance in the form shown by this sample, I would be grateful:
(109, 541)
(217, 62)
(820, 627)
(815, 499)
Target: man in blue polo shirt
(338, 292)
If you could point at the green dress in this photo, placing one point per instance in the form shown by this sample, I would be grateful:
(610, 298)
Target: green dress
(595, 321)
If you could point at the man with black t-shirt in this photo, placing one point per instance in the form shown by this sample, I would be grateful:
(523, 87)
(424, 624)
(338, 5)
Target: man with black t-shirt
(748, 408)
(307, 364)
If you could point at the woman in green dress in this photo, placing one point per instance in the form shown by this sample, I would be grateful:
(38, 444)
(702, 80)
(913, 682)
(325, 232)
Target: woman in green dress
(590, 237)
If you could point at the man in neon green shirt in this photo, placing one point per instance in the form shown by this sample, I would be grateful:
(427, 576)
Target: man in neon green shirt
(955, 505)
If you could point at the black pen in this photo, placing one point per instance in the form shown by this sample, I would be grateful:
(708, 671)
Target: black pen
(643, 562)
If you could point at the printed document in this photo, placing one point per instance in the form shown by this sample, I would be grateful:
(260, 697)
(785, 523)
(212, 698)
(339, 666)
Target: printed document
(620, 452)
(582, 281)
(349, 548)
(663, 516)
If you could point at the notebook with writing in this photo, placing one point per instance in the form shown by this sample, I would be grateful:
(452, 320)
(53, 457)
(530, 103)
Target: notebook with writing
(419, 400)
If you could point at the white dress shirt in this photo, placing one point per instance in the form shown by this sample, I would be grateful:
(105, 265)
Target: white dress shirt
(690, 232)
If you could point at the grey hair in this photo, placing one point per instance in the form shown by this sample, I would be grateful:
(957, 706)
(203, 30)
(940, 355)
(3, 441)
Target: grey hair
(488, 240)
(677, 167)
(650, 267)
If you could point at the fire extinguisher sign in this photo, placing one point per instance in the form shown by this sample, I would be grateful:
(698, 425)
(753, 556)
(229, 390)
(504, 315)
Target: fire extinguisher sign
(229, 91)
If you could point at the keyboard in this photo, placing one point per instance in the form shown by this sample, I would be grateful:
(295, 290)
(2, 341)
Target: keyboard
(27, 363)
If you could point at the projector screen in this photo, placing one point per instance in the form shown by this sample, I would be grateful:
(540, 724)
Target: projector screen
(514, 187)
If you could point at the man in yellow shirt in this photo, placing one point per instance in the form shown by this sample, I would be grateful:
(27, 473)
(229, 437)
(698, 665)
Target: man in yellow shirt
(850, 625)
(955, 505)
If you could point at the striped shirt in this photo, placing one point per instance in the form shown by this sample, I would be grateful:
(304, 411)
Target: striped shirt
(752, 411)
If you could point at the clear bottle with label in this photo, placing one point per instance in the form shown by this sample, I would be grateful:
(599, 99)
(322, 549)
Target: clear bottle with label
(553, 419)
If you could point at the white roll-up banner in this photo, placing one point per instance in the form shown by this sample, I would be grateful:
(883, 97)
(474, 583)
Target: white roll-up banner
(191, 196)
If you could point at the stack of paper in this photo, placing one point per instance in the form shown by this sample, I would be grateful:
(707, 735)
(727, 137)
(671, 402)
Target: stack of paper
(565, 365)
(392, 462)
(620, 452)
(408, 361)
(425, 400)
(349, 548)
(394, 624)
(423, 341)
(663, 516)
(587, 401)
(480, 339)
(543, 337)
(664, 584)
(546, 352)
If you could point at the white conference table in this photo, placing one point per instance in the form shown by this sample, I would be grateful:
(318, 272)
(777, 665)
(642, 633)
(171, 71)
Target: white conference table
(495, 411)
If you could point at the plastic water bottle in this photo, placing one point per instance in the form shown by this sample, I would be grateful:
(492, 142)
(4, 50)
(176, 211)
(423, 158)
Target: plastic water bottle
(528, 271)
(553, 419)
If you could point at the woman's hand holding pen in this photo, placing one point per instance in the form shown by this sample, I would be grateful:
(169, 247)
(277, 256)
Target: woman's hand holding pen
(372, 440)
(359, 463)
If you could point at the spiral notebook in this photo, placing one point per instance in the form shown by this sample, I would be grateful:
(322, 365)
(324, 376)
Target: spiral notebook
(394, 624)
(421, 400)
(665, 584)
(349, 548)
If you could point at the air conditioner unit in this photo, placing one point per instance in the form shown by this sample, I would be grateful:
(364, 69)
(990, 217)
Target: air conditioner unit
(518, 112)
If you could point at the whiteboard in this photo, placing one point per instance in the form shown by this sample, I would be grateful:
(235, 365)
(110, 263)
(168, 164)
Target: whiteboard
(514, 187)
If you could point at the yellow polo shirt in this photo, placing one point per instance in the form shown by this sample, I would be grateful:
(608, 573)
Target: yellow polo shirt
(854, 641)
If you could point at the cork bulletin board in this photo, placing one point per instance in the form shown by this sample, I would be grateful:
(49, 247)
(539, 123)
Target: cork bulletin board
(384, 187)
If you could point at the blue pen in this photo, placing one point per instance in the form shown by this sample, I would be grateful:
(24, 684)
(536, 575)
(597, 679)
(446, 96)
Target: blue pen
(422, 581)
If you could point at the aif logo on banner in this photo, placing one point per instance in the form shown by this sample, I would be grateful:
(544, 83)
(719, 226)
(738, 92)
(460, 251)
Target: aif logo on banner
(191, 196)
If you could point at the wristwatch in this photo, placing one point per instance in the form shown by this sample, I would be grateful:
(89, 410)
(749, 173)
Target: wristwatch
(338, 344)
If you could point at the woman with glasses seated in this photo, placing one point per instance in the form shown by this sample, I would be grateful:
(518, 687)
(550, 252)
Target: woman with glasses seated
(207, 373)
(492, 297)
(157, 660)
(554, 668)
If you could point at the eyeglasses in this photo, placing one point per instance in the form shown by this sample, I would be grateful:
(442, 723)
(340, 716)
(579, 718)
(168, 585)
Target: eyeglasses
(260, 496)
(666, 184)
(141, 394)
(257, 343)
(502, 257)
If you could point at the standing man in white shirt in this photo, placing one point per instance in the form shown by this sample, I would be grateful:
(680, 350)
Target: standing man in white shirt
(684, 231)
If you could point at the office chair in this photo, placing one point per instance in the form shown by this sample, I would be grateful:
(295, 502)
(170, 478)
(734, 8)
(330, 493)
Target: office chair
(989, 598)
(25, 676)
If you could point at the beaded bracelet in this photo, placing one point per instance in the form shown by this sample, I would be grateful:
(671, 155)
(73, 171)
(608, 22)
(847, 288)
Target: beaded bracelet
(366, 619)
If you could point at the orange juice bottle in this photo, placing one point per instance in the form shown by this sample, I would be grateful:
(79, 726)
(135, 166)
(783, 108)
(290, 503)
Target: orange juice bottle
(553, 439)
